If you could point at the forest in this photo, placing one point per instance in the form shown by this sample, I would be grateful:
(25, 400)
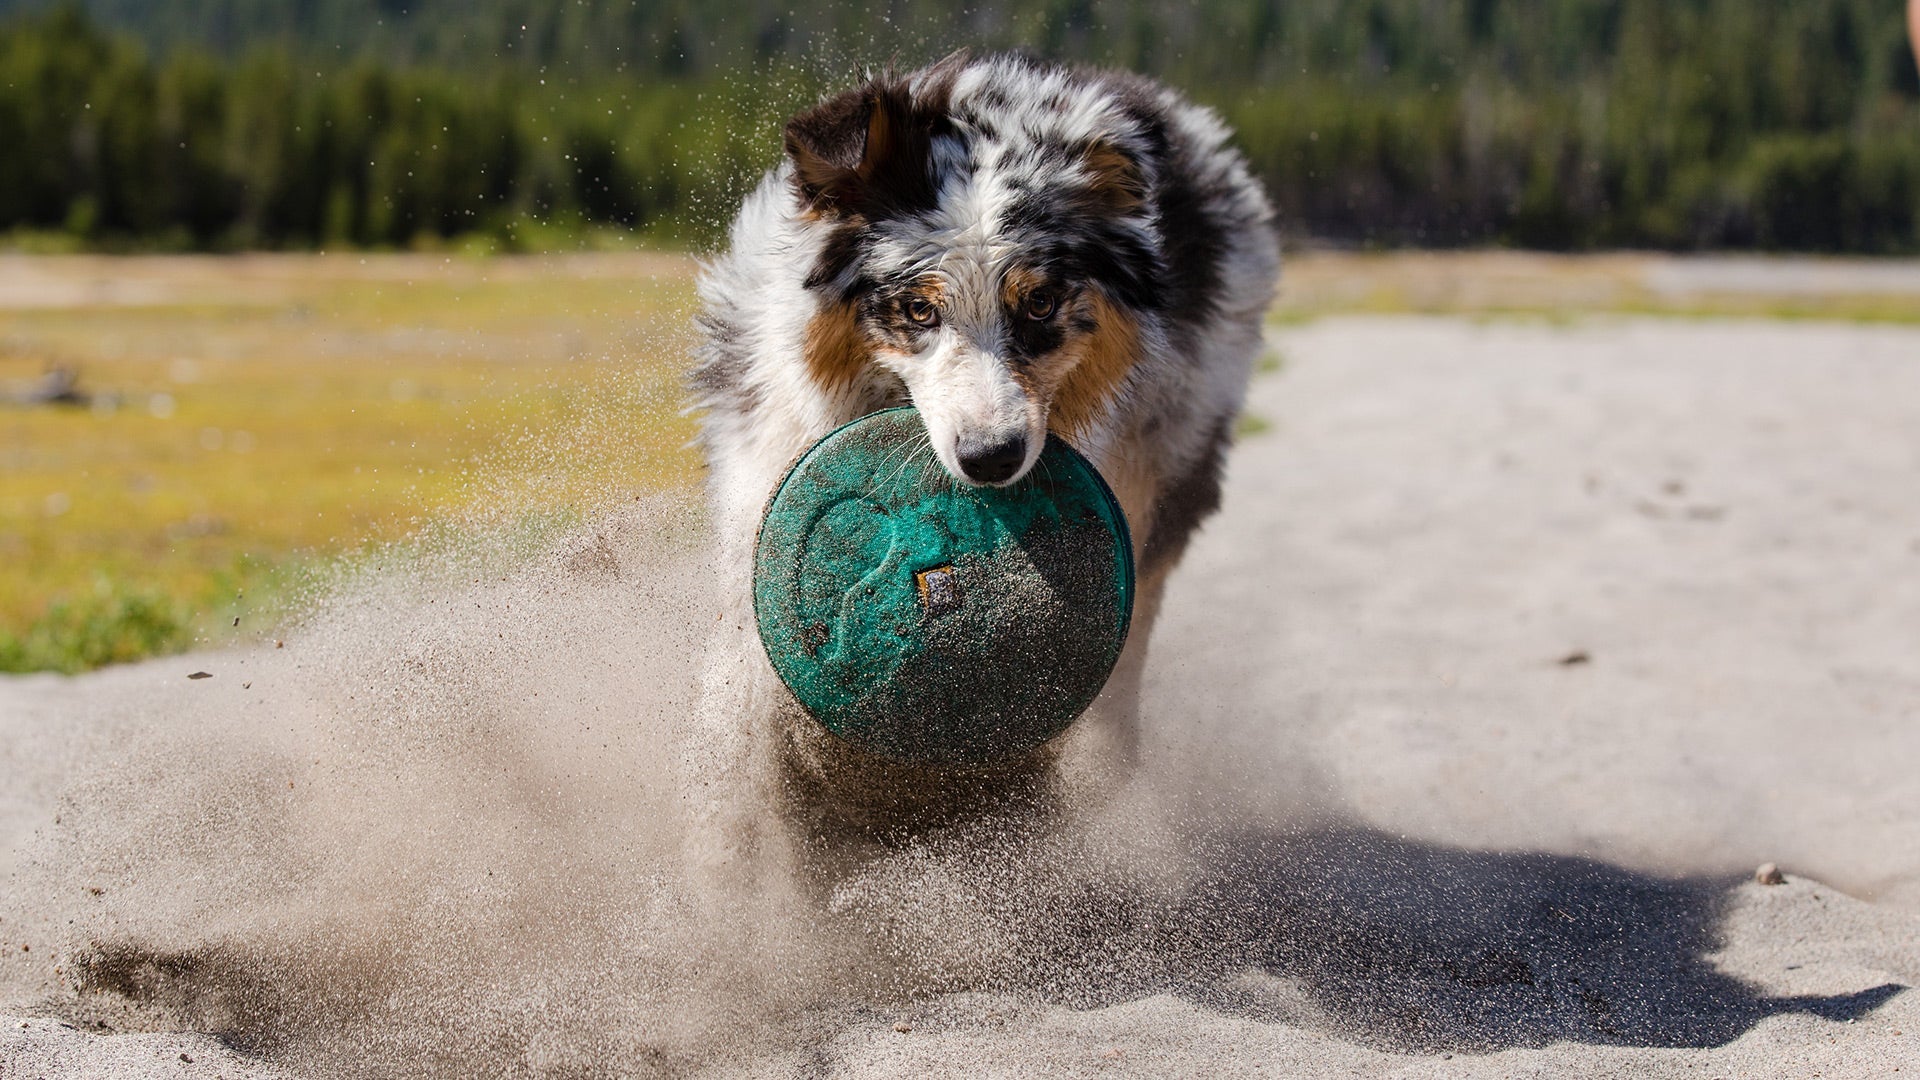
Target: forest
(551, 124)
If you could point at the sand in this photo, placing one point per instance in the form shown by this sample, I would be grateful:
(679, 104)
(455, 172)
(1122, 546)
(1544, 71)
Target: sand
(1514, 652)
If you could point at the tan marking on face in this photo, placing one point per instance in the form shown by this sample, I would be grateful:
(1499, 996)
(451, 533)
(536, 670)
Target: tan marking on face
(1105, 357)
(931, 288)
(1015, 287)
(836, 351)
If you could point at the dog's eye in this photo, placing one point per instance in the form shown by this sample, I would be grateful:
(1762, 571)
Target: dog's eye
(1041, 305)
(921, 310)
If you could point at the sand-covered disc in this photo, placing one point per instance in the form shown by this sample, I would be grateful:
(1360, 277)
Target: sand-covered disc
(929, 620)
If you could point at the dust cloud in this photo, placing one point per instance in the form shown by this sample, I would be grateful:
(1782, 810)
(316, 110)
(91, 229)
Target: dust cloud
(456, 825)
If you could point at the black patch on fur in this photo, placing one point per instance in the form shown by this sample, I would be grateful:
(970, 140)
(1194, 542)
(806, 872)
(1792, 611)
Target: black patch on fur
(1195, 241)
(1032, 338)
(1195, 245)
(884, 316)
(844, 247)
(1185, 503)
(1070, 242)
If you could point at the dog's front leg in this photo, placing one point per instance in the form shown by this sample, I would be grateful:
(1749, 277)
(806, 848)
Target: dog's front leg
(732, 746)
(729, 757)
(1116, 712)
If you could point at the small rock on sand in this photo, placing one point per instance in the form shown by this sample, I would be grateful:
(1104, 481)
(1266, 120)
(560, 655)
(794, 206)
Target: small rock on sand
(1769, 874)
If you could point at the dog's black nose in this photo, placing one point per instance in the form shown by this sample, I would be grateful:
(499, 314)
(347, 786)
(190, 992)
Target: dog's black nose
(991, 463)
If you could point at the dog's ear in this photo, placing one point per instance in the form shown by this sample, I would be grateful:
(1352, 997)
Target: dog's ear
(936, 82)
(826, 144)
(867, 151)
(1116, 182)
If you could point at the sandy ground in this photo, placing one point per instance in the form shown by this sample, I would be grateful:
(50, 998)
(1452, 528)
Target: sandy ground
(1515, 650)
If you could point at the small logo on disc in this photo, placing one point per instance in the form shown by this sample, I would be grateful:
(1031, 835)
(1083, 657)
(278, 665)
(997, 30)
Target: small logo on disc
(939, 590)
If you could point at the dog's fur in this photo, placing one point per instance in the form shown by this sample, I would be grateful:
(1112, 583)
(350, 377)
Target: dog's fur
(1013, 247)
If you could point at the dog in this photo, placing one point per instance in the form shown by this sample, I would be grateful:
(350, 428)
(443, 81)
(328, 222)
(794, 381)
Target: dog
(1014, 247)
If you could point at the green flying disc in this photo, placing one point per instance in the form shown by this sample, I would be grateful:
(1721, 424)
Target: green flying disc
(927, 620)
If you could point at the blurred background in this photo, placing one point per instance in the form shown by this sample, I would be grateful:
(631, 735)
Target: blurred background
(293, 285)
(528, 124)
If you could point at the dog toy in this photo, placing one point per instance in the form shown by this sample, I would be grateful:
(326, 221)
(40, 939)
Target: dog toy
(927, 620)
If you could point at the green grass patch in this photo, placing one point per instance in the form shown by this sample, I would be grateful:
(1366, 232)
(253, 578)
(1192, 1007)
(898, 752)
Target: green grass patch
(1251, 424)
(246, 421)
(74, 635)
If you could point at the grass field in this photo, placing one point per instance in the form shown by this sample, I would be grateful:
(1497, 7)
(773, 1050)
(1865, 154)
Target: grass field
(248, 422)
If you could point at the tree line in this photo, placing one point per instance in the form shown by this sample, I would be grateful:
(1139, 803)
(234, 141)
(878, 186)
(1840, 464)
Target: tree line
(1566, 124)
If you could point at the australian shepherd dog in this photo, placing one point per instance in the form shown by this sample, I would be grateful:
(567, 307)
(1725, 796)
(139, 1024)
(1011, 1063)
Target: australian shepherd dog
(1013, 247)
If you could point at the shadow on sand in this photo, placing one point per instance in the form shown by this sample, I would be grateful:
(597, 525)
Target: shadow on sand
(1400, 946)
(1412, 947)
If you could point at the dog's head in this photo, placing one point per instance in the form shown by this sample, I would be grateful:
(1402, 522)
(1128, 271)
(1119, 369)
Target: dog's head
(985, 234)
